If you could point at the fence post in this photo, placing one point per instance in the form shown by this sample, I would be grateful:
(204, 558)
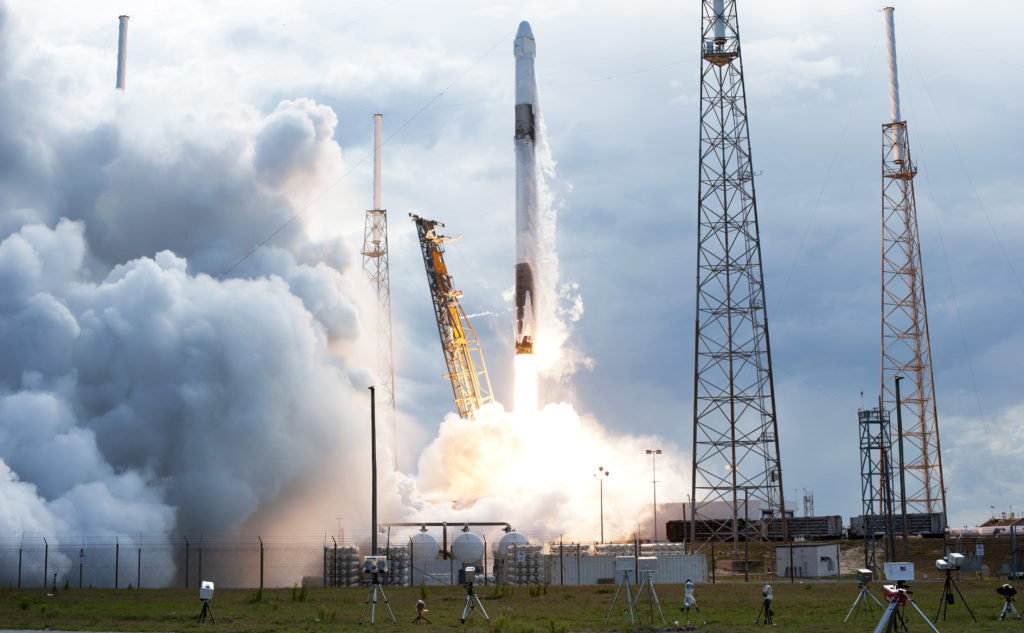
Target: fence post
(46, 560)
(186, 561)
(261, 562)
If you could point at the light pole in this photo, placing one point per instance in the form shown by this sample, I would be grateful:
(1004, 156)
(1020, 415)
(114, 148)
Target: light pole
(600, 476)
(653, 452)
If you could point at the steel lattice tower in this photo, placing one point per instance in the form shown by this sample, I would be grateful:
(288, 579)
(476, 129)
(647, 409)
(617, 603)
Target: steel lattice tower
(876, 483)
(376, 268)
(735, 433)
(905, 346)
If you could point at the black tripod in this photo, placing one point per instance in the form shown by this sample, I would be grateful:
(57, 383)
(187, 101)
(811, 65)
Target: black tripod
(374, 588)
(470, 608)
(946, 598)
(766, 609)
(421, 608)
(206, 611)
(1009, 608)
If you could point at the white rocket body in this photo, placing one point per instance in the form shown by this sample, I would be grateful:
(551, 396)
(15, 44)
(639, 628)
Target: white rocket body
(525, 50)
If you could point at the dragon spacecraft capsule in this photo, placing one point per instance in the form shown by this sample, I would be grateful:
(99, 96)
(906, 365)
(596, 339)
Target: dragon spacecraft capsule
(525, 50)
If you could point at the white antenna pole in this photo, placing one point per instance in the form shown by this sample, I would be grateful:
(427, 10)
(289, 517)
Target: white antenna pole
(376, 159)
(122, 51)
(894, 83)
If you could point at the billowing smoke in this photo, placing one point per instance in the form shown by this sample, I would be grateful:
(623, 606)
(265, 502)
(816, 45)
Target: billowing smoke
(155, 380)
(536, 470)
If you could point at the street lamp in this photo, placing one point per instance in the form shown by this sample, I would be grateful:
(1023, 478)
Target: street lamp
(654, 480)
(600, 476)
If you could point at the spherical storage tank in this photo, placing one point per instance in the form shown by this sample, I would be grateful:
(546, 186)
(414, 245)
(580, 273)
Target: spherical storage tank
(468, 548)
(424, 547)
(510, 539)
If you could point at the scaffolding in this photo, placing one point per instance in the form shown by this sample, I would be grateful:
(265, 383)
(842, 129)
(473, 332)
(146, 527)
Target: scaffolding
(462, 354)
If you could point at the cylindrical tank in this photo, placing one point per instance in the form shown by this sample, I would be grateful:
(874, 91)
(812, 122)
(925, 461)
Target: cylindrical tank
(424, 547)
(512, 538)
(468, 548)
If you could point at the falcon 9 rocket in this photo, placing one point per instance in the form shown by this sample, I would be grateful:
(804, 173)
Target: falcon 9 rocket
(525, 49)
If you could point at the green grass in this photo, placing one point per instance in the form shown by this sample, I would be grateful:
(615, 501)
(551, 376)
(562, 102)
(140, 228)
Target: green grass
(801, 607)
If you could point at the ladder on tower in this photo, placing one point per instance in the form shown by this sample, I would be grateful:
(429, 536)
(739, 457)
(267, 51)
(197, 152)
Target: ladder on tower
(462, 354)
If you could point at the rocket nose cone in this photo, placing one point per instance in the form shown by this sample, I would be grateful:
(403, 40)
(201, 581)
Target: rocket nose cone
(524, 30)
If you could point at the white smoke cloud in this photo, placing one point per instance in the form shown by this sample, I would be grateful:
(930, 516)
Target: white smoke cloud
(536, 471)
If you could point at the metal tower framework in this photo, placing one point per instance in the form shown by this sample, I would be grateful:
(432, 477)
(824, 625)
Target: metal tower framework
(376, 267)
(876, 483)
(462, 354)
(906, 350)
(735, 433)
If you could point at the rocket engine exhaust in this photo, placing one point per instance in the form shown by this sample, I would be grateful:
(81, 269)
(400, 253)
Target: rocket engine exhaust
(525, 51)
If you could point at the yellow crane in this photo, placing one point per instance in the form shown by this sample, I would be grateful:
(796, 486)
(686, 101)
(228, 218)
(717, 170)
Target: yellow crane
(466, 369)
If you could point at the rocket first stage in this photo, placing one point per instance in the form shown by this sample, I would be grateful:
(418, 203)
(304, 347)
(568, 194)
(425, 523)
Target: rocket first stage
(525, 49)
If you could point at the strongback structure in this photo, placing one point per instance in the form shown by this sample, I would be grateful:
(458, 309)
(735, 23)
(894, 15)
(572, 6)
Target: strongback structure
(735, 433)
(905, 346)
(462, 355)
(376, 268)
(876, 483)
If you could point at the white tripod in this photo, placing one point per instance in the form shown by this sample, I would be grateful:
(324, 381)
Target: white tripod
(862, 602)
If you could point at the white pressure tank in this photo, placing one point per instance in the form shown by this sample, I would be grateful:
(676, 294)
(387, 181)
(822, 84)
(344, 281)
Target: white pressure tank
(424, 547)
(510, 539)
(468, 548)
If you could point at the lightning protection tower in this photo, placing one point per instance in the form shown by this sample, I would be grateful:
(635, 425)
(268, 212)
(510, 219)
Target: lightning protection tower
(462, 354)
(735, 433)
(905, 346)
(376, 269)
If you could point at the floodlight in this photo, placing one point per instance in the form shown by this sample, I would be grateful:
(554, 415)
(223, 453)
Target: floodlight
(206, 590)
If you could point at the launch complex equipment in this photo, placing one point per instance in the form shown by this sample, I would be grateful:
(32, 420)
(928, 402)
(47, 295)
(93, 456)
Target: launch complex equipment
(206, 594)
(949, 564)
(1007, 591)
(905, 346)
(898, 597)
(462, 354)
(876, 483)
(376, 268)
(648, 568)
(466, 577)
(624, 565)
(735, 432)
(374, 566)
(862, 605)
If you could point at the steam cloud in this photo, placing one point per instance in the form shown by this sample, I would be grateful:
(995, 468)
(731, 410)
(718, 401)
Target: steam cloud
(139, 393)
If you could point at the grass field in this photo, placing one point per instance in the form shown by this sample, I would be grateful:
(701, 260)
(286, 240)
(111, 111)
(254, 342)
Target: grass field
(727, 606)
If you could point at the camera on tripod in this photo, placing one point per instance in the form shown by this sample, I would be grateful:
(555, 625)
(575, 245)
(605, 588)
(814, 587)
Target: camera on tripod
(864, 576)
(466, 576)
(375, 564)
(1006, 591)
(951, 562)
